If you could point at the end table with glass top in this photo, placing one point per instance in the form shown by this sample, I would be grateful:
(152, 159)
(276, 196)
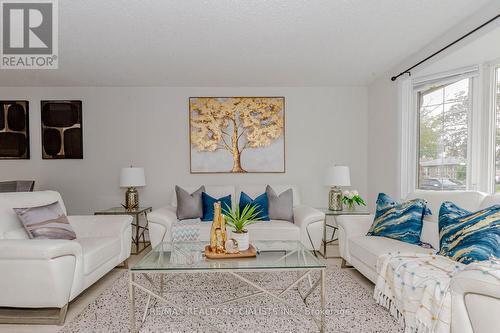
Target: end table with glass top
(334, 214)
(139, 241)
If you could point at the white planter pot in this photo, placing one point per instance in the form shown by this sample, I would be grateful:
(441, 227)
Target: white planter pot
(243, 240)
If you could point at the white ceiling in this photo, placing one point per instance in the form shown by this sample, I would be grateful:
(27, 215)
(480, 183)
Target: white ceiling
(238, 43)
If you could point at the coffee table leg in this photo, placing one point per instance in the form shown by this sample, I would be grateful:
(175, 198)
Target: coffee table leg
(323, 300)
(133, 328)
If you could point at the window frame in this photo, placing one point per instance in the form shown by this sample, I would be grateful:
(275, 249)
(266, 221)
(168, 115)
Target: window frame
(493, 79)
(409, 130)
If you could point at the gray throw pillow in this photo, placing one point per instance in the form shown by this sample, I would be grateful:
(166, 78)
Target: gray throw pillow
(46, 222)
(280, 206)
(189, 206)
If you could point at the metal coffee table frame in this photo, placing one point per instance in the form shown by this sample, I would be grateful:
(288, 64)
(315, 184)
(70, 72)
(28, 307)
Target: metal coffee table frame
(161, 296)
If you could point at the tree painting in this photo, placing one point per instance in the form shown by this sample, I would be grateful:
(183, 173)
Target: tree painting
(235, 125)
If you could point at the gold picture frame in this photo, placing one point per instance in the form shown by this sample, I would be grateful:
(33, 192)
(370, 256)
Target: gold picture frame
(237, 134)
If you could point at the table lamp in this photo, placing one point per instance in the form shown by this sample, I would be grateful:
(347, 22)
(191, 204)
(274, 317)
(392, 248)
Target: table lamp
(337, 176)
(132, 178)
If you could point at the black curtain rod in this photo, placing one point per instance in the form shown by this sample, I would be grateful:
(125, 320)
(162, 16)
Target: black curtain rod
(394, 78)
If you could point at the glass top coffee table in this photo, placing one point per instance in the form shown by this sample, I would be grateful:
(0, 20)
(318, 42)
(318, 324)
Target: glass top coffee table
(188, 257)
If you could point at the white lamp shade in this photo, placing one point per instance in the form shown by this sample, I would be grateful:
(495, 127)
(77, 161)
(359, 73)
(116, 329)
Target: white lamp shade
(132, 177)
(338, 175)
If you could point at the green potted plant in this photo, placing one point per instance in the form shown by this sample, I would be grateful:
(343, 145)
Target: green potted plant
(351, 199)
(238, 220)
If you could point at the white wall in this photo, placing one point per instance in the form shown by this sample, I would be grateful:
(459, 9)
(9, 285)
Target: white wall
(384, 110)
(383, 136)
(149, 127)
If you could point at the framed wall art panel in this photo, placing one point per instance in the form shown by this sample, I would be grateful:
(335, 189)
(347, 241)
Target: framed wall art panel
(62, 130)
(237, 134)
(14, 130)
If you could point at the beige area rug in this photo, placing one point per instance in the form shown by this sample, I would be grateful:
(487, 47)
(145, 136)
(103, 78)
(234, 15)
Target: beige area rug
(350, 306)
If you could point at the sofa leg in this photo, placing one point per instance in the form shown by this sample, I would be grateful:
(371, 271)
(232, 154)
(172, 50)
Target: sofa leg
(344, 264)
(125, 264)
(62, 315)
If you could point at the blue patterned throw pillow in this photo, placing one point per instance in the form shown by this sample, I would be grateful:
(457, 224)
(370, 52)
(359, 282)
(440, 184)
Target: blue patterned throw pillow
(261, 202)
(469, 236)
(208, 205)
(400, 221)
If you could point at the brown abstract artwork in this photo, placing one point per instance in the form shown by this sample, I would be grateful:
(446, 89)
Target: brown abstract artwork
(237, 134)
(14, 130)
(62, 130)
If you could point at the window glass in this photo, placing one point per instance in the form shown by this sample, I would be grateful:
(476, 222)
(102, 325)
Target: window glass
(443, 113)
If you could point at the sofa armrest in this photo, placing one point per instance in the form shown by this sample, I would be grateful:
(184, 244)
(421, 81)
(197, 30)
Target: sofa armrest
(476, 282)
(42, 249)
(351, 226)
(311, 222)
(475, 296)
(38, 273)
(160, 221)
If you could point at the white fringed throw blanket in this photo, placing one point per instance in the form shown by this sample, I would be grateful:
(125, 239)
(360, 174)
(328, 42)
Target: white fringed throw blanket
(415, 290)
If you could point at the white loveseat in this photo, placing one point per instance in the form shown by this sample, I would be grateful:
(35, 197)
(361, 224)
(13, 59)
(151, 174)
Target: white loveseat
(51, 273)
(468, 312)
(307, 226)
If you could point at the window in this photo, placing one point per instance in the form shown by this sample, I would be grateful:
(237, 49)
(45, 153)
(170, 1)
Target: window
(443, 135)
(450, 130)
(497, 141)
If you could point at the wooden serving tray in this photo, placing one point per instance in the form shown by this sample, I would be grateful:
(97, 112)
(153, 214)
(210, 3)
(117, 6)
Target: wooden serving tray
(250, 252)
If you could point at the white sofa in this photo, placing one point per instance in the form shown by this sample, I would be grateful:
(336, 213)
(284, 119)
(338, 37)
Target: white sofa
(307, 226)
(51, 273)
(474, 296)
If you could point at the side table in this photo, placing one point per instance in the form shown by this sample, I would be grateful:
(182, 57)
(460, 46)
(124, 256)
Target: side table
(138, 245)
(334, 214)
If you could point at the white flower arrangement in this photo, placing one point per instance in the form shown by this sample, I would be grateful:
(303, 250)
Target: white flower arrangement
(352, 198)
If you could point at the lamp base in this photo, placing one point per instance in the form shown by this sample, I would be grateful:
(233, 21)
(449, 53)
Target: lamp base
(335, 199)
(131, 198)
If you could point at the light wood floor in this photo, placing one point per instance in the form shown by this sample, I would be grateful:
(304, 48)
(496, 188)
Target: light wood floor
(89, 295)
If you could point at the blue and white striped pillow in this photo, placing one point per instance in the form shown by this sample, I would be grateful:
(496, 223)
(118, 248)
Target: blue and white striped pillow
(400, 221)
(469, 236)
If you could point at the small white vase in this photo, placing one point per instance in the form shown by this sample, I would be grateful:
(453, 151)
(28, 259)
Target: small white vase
(243, 240)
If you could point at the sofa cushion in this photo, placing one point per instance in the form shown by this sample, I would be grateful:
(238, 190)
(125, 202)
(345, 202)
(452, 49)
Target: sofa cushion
(189, 206)
(215, 191)
(274, 230)
(97, 251)
(255, 190)
(469, 236)
(260, 202)
(280, 205)
(400, 221)
(367, 249)
(10, 221)
(208, 205)
(470, 200)
(46, 222)
(488, 201)
(430, 233)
